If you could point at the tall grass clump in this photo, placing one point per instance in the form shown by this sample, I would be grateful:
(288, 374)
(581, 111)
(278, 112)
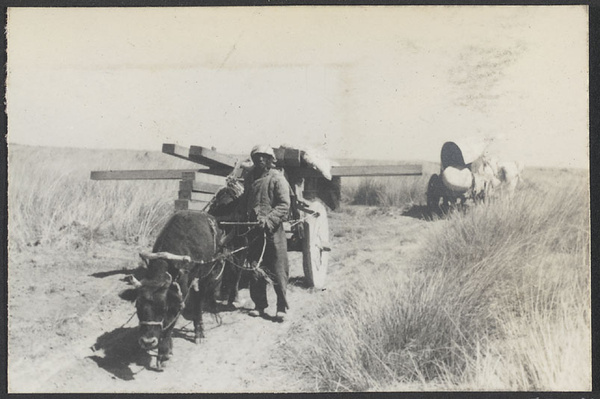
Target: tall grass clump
(398, 191)
(498, 298)
(52, 201)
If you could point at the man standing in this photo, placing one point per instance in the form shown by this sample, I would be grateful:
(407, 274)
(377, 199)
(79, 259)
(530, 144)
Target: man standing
(266, 200)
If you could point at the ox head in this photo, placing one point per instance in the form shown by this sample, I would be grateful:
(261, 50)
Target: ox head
(157, 300)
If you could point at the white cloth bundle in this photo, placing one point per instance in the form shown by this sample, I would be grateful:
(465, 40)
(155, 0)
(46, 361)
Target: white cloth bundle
(457, 180)
(317, 162)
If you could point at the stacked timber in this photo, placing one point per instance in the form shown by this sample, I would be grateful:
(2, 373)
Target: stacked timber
(197, 188)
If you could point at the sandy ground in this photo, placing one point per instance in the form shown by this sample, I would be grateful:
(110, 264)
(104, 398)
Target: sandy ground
(70, 332)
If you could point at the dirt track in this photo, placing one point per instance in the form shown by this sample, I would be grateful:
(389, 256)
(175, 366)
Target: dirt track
(69, 331)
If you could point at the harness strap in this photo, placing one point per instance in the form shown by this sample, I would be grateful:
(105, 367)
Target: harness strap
(152, 323)
(213, 229)
(193, 280)
(221, 257)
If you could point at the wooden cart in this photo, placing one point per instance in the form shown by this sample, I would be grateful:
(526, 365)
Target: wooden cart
(308, 229)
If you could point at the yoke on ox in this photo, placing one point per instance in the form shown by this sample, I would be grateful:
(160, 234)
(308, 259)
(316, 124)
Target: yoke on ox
(182, 276)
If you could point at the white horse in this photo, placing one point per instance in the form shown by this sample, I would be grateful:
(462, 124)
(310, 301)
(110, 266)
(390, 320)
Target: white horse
(491, 176)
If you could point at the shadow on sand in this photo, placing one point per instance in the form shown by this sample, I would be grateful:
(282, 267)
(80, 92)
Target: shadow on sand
(185, 332)
(224, 307)
(420, 212)
(121, 350)
(113, 272)
(298, 282)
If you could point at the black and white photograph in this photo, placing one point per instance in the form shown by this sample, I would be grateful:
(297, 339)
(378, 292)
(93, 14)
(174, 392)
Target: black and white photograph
(284, 199)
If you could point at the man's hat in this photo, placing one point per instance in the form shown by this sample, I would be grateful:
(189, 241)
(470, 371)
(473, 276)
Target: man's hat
(263, 149)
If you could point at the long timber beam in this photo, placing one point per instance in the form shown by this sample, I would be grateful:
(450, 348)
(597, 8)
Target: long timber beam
(378, 170)
(147, 174)
(158, 174)
(364, 170)
(201, 155)
(177, 151)
(211, 158)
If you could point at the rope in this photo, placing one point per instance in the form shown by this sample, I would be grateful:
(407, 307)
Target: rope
(180, 310)
(263, 249)
(298, 221)
(221, 272)
(238, 223)
(196, 263)
(128, 320)
(246, 268)
(246, 233)
(221, 257)
(199, 278)
(257, 269)
(216, 258)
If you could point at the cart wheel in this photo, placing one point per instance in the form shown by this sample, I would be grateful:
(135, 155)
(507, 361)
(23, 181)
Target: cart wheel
(315, 246)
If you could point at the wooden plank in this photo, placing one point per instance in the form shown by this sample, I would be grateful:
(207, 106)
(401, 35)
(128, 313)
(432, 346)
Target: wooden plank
(219, 171)
(199, 186)
(204, 177)
(177, 151)
(190, 195)
(378, 170)
(140, 174)
(181, 205)
(363, 170)
(214, 171)
(220, 164)
(211, 158)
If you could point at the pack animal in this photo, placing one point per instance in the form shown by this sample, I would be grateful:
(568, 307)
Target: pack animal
(496, 177)
(479, 180)
(509, 174)
(181, 278)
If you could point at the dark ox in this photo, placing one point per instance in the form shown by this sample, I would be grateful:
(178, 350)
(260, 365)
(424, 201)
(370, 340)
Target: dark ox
(172, 287)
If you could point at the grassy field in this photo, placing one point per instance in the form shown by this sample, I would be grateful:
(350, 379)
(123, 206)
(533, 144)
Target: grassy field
(494, 298)
(52, 200)
(498, 298)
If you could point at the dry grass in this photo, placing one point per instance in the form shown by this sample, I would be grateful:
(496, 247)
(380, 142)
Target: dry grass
(385, 191)
(392, 191)
(498, 299)
(52, 200)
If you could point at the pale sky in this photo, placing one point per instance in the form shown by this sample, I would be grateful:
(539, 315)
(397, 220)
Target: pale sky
(387, 82)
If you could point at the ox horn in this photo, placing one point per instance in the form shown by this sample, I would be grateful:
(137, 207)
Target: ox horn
(164, 255)
(133, 281)
(145, 261)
